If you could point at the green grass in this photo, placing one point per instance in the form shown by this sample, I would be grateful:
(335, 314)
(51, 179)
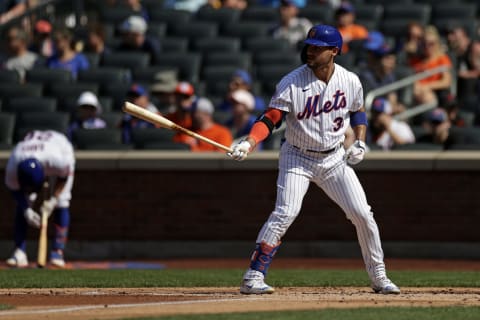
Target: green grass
(401, 313)
(38, 278)
(5, 307)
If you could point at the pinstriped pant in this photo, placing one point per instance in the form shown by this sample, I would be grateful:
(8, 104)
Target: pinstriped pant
(338, 180)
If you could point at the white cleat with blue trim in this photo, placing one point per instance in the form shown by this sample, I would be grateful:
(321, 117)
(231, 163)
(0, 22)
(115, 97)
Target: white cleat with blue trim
(385, 286)
(255, 286)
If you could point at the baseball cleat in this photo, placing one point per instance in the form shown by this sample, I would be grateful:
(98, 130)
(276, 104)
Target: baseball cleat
(56, 259)
(385, 286)
(255, 286)
(18, 259)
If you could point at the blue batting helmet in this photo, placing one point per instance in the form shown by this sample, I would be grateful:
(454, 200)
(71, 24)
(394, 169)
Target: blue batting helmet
(30, 174)
(324, 36)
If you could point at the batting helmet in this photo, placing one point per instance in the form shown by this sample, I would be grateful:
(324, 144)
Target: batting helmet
(30, 174)
(324, 36)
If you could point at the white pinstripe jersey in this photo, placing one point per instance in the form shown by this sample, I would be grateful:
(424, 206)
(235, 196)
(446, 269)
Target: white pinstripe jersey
(318, 113)
(51, 148)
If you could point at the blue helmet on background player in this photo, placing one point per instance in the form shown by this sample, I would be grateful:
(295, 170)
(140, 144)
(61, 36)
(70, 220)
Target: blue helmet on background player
(30, 174)
(322, 35)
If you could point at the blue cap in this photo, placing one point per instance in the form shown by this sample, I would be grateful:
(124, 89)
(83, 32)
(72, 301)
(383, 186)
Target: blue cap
(244, 75)
(382, 105)
(374, 41)
(437, 115)
(137, 90)
(30, 174)
(324, 36)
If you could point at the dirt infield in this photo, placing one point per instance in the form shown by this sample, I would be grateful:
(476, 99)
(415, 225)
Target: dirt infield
(115, 303)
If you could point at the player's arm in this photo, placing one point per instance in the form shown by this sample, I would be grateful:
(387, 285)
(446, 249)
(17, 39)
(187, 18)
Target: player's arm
(261, 129)
(359, 123)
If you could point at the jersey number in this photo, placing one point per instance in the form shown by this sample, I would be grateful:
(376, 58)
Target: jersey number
(338, 123)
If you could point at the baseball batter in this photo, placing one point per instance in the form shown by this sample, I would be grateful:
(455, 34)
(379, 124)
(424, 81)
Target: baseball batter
(319, 100)
(41, 156)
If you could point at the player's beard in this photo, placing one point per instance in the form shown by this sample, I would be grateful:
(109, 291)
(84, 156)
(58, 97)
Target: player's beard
(318, 65)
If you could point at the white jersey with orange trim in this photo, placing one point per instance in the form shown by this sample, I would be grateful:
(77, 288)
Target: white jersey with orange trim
(318, 113)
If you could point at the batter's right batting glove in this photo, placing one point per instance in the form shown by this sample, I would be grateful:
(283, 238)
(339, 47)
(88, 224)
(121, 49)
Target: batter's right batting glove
(356, 152)
(240, 150)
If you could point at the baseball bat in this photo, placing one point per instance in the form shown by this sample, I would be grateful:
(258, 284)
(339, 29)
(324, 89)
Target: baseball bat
(42, 240)
(157, 119)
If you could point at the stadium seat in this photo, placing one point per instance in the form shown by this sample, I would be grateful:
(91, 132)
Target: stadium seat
(13, 90)
(317, 14)
(105, 75)
(70, 104)
(247, 30)
(48, 76)
(115, 15)
(7, 126)
(29, 104)
(112, 119)
(157, 30)
(454, 10)
(218, 73)
(29, 121)
(368, 12)
(9, 76)
(99, 139)
(116, 91)
(128, 60)
(174, 44)
(240, 60)
(261, 14)
(273, 72)
(263, 58)
(142, 138)
(169, 16)
(218, 44)
(68, 90)
(196, 30)
(412, 12)
(93, 59)
(147, 75)
(188, 64)
(387, 2)
(221, 16)
(469, 24)
(346, 60)
(266, 44)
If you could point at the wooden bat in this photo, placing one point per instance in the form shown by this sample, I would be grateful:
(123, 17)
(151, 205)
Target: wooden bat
(42, 240)
(157, 119)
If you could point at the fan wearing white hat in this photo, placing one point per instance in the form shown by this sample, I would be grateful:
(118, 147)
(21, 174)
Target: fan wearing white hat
(203, 124)
(86, 116)
(243, 105)
(135, 38)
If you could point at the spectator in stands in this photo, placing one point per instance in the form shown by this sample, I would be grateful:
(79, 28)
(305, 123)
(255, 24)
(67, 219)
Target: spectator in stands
(96, 42)
(467, 52)
(20, 58)
(241, 79)
(192, 5)
(235, 4)
(203, 124)
(345, 23)
(42, 43)
(291, 27)
(139, 96)
(134, 38)
(437, 126)
(66, 57)
(276, 3)
(242, 118)
(184, 98)
(380, 68)
(88, 109)
(385, 131)
(411, 48)
(163, 90)
(435, 88)
(10, 9)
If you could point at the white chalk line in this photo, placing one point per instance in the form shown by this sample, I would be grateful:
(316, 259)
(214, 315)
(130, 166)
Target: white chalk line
(125, 305)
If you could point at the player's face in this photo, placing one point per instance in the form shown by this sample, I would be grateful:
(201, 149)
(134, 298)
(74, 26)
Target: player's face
(320, 57)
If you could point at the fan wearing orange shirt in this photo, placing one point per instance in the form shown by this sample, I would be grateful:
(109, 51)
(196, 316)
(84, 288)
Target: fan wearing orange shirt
(203, 124)
(184, 98)
(345, 20)
(435, 88)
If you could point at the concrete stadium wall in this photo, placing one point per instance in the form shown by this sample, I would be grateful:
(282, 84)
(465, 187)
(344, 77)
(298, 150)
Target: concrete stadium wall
(127, 201)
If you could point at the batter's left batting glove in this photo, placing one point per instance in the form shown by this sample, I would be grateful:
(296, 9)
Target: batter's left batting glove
(49, 205)
(356, 152)
(240, 150)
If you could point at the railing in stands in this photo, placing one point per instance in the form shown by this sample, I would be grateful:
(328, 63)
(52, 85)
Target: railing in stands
(413, 111)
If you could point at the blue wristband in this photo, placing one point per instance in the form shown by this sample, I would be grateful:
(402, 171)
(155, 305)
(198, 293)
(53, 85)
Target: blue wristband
(358, 118)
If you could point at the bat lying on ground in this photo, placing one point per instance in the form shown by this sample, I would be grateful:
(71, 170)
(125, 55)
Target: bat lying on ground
(157, 119)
